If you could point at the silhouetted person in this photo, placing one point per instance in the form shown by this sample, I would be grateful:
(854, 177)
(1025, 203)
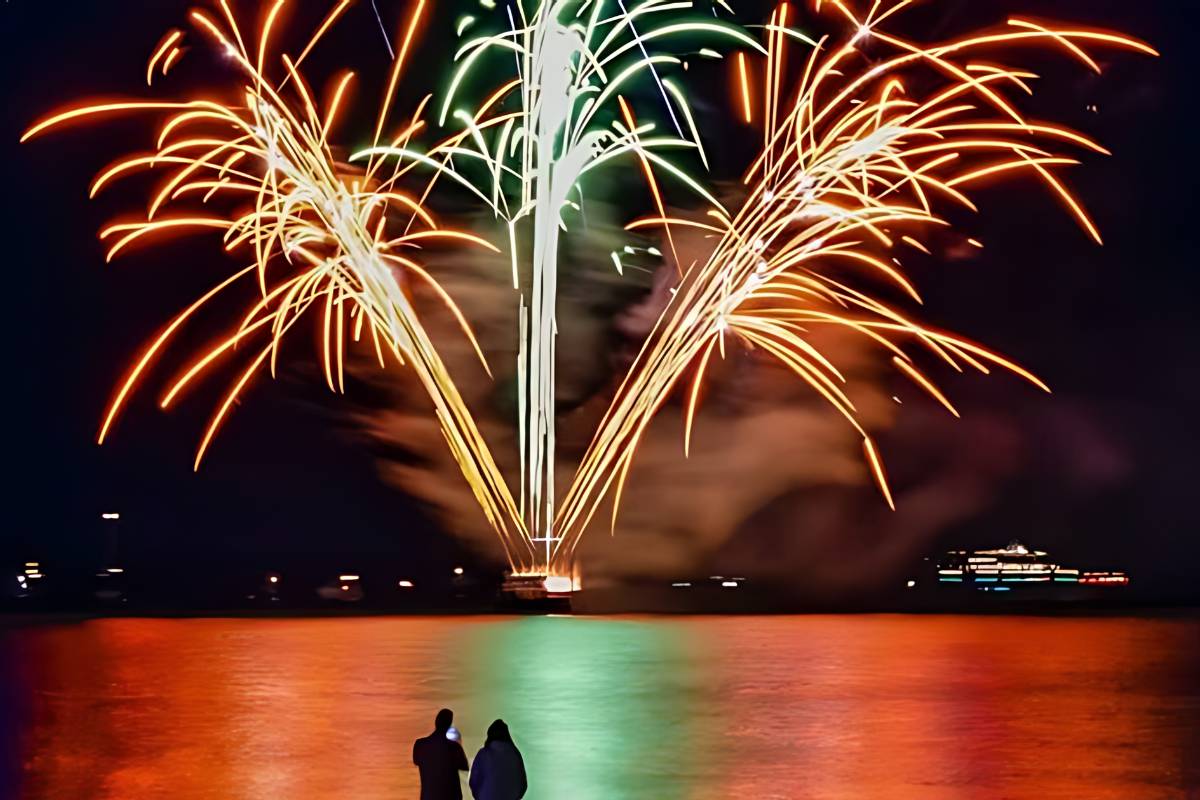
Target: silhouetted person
(439, 760)
(498, 772)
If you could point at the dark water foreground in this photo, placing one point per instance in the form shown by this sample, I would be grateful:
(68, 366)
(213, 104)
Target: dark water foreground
(657, 708)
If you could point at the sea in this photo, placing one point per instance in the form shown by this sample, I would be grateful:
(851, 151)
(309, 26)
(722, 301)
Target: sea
(897, 707)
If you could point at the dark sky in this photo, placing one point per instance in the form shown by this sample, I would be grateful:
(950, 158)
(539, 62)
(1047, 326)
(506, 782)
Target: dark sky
(1113, 329)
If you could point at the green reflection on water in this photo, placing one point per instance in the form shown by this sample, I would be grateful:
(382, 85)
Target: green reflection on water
(600, 708)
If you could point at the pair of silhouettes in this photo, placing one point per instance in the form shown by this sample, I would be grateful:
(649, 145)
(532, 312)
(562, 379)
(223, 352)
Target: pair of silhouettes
(498, 773)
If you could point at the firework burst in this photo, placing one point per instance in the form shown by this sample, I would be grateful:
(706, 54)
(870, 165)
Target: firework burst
(859, 160)
(852, 172)
(525, 149)
(262, 172)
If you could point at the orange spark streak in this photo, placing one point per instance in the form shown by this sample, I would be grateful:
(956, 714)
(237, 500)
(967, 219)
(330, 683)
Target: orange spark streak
(170, 60)
(266, 33)
(745, 84)
(658, 201)
(172, 37)
(86, 111)
(924, 383)
(118, 401)
(394, 77)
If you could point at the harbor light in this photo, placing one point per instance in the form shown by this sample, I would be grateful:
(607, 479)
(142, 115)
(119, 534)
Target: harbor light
(110, 515)
(458, 570)
(405, 584)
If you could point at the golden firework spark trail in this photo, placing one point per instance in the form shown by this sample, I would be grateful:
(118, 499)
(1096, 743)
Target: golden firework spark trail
(318, 234)
(851, 169)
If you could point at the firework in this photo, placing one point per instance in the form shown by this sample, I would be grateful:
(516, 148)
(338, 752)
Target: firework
(857, 160)
(261, 171)
(850, 174)
(561, 117)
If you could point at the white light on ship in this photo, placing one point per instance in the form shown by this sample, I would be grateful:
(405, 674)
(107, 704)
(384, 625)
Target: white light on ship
(557, 584)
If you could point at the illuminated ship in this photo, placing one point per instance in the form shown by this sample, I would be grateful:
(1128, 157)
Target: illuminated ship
(1016, 568)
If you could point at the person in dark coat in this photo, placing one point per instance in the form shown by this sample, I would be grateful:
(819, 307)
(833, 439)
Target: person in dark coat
(499, 771)
(439, 760)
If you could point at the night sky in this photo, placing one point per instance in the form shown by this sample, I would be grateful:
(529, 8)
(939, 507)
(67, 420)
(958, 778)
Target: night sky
(1112, 329)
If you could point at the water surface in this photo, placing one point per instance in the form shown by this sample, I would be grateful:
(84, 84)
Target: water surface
(605, 708)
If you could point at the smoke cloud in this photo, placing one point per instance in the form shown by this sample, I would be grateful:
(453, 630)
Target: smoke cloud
(775, 486)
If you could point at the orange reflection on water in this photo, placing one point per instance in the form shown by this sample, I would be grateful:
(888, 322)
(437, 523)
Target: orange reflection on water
(654, 708)
(965, 707)
(224, 708)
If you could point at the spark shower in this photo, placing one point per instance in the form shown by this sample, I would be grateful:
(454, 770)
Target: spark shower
(868, 139)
